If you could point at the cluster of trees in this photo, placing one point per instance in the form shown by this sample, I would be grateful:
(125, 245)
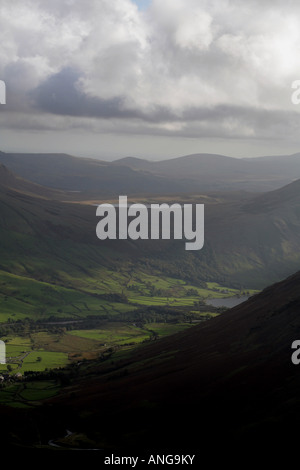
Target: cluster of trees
(114, 297)
(181, 267)
(27, 326)
(159, 292)
(63, 376)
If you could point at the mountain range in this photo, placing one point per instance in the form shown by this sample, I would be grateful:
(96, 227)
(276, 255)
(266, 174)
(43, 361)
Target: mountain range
(250, 240)
(191, 173)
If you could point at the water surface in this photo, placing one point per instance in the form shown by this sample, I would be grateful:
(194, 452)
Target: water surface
(228, 302)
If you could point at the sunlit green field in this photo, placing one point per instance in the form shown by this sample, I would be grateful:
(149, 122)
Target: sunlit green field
(23, 297)
(74, 319)
(114, 334)
(46, 350)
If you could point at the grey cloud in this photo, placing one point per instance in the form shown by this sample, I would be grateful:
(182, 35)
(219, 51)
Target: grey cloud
(60, 95)
(256, 122)
(144, 76)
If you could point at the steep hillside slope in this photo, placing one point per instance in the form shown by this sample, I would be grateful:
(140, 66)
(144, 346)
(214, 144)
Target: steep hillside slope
(248, 241)
(229, 381)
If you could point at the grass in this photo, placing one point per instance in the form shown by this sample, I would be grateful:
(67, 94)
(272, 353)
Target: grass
(9, 395)
(17, 345)
(114, 334)
(49, 360)
(63, 342)
(77, 294)
(22, 394)
(35, 391)
(166, 329)
(48, 350)
(24, 297)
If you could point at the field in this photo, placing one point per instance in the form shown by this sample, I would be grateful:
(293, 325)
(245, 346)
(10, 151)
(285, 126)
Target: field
(45, 350)
(111, 294)
(49, 326)
(26, 394)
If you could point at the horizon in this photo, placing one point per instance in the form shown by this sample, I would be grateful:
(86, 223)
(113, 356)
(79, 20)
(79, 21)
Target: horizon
(171, 157)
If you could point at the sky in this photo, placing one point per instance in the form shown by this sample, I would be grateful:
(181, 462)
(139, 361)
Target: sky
(150, 78)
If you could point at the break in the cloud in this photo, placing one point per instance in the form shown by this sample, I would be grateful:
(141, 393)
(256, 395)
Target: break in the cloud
(178, 67)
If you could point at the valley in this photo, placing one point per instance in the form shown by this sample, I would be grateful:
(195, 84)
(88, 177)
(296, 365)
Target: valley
(149, 233)
(124, 312)
(83, 318)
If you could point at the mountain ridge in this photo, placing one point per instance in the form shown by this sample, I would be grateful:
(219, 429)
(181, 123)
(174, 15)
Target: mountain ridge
(250, 241)
(191, 173)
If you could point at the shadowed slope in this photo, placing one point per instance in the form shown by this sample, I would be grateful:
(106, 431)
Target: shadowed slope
(232, 377)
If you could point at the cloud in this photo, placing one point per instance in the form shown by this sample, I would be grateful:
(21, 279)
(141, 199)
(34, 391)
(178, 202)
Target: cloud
(187, 67)
(61, 94)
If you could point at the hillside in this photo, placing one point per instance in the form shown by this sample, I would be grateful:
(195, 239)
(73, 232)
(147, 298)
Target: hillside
(231, 376)
(249, 241)
(286, 196)
(9, 181)
(245, 236)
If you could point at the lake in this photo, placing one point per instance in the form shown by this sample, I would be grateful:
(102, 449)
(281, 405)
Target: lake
(228, 302)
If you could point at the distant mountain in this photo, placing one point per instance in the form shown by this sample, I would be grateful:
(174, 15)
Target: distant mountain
(250, 241)
(136, 163)
(221, 172)
(227, 382)
(192, 173)
(257, 236)
(64, 172)
(287, 164)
